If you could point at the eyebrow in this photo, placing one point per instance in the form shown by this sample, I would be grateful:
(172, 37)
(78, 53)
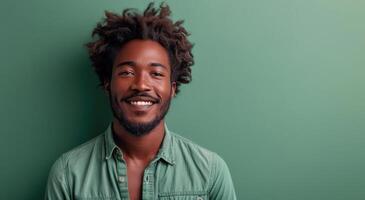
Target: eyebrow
(130, 63)
(133, 64)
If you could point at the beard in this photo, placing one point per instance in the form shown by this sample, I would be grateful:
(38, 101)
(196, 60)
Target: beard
(138, 129)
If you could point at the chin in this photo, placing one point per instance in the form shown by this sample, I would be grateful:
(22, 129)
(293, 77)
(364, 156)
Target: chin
(141, 120)
(138, 127)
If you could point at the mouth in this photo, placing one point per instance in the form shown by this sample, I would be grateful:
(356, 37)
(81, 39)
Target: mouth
(141, 102)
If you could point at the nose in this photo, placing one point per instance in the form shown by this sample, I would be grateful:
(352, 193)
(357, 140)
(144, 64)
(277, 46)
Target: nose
(141, 82)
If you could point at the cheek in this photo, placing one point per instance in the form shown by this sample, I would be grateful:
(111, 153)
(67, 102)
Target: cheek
(118, 83)
(117, 88)
(165, 90)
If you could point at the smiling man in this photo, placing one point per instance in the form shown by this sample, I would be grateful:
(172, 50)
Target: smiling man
(141, 60)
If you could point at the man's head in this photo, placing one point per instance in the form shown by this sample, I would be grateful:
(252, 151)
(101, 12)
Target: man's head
(141, 60)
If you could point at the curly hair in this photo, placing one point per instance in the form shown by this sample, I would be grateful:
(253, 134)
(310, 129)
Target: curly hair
(154, 24)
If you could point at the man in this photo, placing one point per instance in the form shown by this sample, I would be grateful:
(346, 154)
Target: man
(141, 60)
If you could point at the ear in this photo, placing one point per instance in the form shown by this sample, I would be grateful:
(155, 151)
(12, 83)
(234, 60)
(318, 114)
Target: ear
(173, 88)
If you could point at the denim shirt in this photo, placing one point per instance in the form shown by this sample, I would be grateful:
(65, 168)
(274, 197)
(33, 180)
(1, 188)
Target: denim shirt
(181, 170)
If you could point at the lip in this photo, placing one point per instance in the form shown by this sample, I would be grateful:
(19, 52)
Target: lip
(141, 98)
(139, 104)
(138, 107)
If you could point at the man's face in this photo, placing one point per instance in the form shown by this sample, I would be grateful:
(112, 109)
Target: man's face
(140, 86)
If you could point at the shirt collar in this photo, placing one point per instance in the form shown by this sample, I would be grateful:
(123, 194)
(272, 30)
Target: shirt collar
(166, 150)
(110, 145)
(165, 153)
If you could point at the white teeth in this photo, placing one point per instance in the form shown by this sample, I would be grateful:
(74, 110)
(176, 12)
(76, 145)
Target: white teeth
(141, 103)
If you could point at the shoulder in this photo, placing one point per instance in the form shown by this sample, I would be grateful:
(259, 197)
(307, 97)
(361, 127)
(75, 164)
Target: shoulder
(205, 166)
(78, 155)
(182, 145)
(195, 156)
(93, 147)
(69, 164)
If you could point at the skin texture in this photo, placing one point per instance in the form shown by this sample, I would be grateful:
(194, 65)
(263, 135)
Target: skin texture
(141, 71)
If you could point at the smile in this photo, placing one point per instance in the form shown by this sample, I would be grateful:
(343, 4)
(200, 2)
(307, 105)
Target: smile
(141, 103)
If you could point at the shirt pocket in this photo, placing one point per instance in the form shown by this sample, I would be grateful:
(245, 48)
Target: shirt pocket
(96, 198)
(183, 196)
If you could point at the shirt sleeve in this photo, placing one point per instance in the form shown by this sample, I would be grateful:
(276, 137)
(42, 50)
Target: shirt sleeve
(222, 185)
(57, 188)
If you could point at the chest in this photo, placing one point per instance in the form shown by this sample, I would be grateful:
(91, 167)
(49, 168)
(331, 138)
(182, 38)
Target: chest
(158, 181)
(135, 174)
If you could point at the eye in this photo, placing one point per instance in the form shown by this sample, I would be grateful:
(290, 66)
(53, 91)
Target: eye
(125, 73)
(157, 74)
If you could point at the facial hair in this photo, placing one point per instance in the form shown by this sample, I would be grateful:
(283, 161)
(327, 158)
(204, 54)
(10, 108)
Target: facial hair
(138, 129)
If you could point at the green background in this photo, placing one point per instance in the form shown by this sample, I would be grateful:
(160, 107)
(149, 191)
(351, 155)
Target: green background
(277, 91)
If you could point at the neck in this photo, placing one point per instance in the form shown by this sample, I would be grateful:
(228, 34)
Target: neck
(143, 147)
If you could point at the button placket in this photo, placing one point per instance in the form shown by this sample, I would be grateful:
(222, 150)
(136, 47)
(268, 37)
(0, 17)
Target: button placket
(148, 184)
(121, 174)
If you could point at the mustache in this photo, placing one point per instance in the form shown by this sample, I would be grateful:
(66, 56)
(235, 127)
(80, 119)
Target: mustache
(141, 94)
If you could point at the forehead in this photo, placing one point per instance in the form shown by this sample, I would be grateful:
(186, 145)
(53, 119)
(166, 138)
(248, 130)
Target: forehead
(142, 52)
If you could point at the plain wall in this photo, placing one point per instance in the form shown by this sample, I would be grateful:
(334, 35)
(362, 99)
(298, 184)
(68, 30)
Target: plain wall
(277, 91)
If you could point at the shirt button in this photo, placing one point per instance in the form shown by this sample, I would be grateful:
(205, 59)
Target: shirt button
(118, 154)
(121, 179)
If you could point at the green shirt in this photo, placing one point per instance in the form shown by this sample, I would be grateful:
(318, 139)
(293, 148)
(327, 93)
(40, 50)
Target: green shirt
(181, 170)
